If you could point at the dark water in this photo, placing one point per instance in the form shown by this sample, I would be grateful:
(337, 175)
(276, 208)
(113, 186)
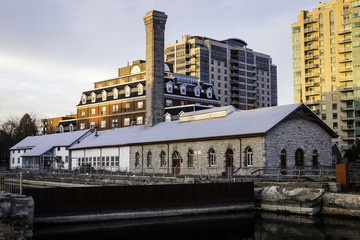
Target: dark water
(225, 226)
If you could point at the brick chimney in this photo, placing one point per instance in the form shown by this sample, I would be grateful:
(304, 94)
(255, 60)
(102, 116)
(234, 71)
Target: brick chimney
(155, 28)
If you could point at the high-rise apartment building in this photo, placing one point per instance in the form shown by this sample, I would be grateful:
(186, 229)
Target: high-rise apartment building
(240, 76)
(326, 65)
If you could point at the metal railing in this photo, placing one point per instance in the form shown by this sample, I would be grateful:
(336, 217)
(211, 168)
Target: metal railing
(11, 183)
(295, 174)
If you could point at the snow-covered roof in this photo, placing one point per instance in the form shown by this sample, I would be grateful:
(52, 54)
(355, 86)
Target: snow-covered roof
(250, 122)
(42, 144)
(207, 113)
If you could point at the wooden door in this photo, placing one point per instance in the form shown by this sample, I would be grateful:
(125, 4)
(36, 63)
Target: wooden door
(176, 166)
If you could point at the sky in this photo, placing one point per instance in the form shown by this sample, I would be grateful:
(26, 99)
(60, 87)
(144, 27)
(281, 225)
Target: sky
(53, 50)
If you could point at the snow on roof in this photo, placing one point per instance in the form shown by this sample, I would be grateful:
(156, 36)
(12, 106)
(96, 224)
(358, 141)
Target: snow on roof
(43, 143)
(257, 121)
(207, 114)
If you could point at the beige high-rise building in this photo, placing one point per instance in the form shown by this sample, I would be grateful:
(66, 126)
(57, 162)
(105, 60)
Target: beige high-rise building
(326, 65)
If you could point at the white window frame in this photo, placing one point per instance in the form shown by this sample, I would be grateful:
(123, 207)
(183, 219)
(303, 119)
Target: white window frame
(104, 95)
(212, 158)
(140, 104)
(139, 120)
(169, 87)
(93, 97)
(82, 126)
(183, 89)
(209, 92)
(92, 111)
(127, 91)
(140, 89)
(103, 124)
(197, 91)
(115, 93)
(83, 99)
(126, 121)
(249, 157)
(169, 102)
(92, 125)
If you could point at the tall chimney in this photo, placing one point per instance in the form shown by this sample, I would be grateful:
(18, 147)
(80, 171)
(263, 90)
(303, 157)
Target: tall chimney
(155, 28)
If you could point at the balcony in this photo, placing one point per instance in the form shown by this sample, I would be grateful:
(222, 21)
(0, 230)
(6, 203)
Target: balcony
(312, 84)
(311, 47)
(344, 30)
(312, 93)
(347, 98)
(311, 56)
(346, 21)
(311, 65)
(232, 67)
(312, 74)
(311, 29)
(347, 108)
(311, 38)
(344, 40)
(344, 50)
(346, 88)
(235, 95)
(346, 79)
(345, 69)
(312, 102)
(233, 81)
(347, 128)
(346, 138)
(342, 60)
(347, 118)
(310, 20)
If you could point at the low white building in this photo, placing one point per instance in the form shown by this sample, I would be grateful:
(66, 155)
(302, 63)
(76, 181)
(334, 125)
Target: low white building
(46, 151)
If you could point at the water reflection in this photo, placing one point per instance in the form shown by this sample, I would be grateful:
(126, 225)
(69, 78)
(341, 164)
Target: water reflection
(265, 226)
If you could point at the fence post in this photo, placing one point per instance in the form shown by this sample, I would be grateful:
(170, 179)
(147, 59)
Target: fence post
(320, 175)
(299, 175)
(21, 183)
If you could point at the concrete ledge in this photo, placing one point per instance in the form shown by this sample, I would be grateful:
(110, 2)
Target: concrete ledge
(143, 213)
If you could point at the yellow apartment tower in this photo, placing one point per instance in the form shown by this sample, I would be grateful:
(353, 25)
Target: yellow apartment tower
(326, 65)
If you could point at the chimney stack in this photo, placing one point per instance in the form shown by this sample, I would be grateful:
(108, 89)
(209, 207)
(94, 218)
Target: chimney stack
(155, 28)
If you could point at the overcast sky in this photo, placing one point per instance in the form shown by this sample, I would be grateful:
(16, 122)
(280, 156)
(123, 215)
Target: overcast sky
(53, 50)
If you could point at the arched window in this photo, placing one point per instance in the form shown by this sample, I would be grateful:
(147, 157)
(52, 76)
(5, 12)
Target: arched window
(229, 162)
(162, 159)
(332, 22)
(197, 91)
(61, 128)
(71, 127)
(115, 93)
(183, 89)
(190, 158)
(169, 87)
(212, 157)
(93, 97)
(137, 159)
(209, 93)
(83, 99)
(140, 88)
(104, 95)
(249, 157)
(127, 91)
(299, 158)
(149, 159)
(283, 160)
(315, 159)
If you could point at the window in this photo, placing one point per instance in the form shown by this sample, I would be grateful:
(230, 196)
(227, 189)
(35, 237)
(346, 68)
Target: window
(168, 102)
(190, 158)
(323, 116)
(92, 111)
(127, 91)
(103, 124)
(149, 159)
(126, 121)
(334, 106)
(93, 97)
(82, 113)
(333, 59)
(169, 87)
(335, 116)
(332, 41)
(82, 126)
(209, 93)
(162, 159)
(83, 99)
(115, 108)
(127, 107)
(197, 91)
(140, 104)
(212, 157)
(140, 89)
(61, 127)
(103, 110)
(115, 93)
(333, 69)
(92, 125)
(18, 161)
(114, 123)
(332, 50)
(71, 127)
(104, 95)
(139, 120)
(183, 89)
(137, 159)
(335, 125)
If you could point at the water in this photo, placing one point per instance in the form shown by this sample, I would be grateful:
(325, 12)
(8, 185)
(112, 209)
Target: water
(264, 226)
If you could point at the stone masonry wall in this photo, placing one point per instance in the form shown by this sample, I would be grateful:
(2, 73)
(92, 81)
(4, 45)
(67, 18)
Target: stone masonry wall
(295, 134)
(201, 156)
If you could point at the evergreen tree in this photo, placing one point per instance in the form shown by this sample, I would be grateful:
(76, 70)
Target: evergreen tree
(27, 127)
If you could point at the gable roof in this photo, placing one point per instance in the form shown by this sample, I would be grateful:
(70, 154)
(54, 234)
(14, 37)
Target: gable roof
(44, 143)
(240, 123)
